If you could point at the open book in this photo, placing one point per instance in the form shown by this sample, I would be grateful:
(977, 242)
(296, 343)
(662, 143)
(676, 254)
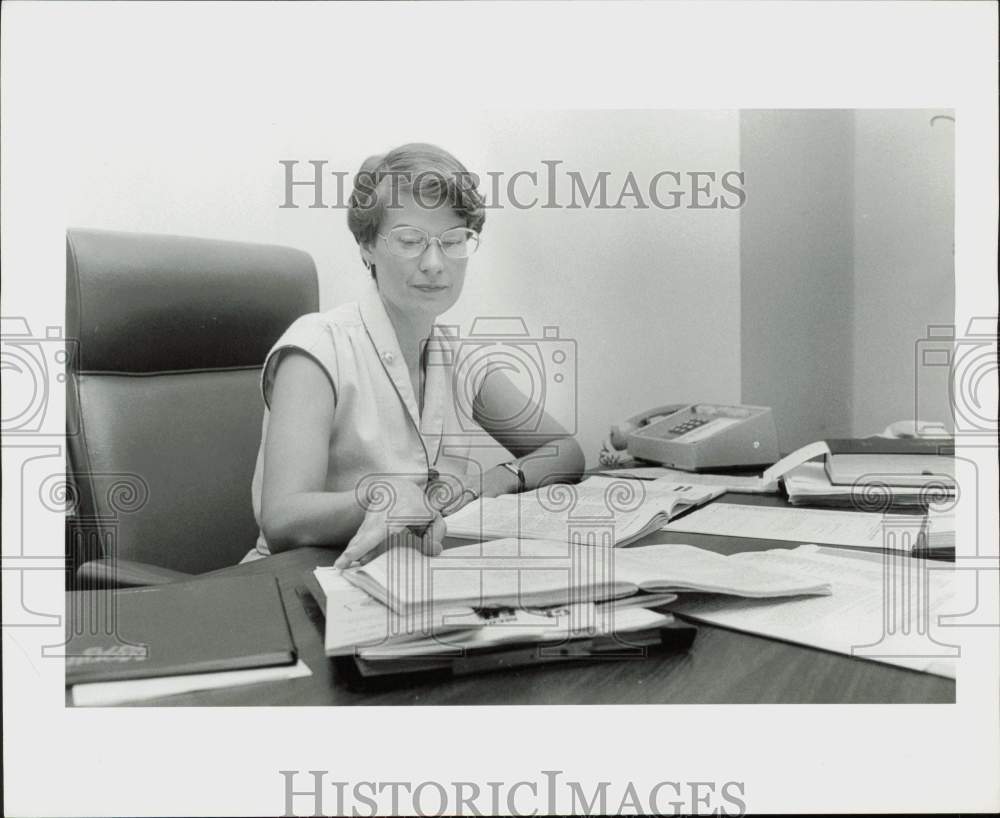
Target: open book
(538, 573)
(607, 510)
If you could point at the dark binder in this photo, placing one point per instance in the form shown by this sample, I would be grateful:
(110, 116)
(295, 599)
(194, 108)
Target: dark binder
(201, 626)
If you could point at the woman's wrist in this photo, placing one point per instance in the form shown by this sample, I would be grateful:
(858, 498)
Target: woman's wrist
(497, 481)
(515, 469)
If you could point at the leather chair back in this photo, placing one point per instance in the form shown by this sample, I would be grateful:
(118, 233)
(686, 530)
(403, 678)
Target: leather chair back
(167, 338)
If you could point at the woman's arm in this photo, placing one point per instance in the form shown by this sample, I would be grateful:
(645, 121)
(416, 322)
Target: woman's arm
(546, 452)
(295, 508)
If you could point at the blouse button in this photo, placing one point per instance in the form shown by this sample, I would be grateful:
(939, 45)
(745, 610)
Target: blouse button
(388, 357)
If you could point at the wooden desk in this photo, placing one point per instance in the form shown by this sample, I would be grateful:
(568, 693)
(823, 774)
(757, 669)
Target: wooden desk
(723, 667)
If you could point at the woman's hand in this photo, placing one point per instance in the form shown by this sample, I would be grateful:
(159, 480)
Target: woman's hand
(399, 513)
(449, 498)
(493, 483)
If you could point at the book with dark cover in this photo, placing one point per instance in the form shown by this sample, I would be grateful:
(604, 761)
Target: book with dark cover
(916, 462)
(201, 626)
(927, 446)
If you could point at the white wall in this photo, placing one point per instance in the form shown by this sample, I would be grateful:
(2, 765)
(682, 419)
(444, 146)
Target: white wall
(846, 260)
(904, 264)
(651, 297)
(796, 257)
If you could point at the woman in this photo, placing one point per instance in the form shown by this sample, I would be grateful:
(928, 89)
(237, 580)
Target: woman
(362, 431)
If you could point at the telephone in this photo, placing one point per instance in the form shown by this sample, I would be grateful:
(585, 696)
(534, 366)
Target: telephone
(696, 437)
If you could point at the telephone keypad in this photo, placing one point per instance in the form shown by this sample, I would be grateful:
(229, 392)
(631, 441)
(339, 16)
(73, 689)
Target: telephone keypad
(687, 426)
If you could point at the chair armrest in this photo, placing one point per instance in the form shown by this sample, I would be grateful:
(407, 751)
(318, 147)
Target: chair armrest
(106, 572)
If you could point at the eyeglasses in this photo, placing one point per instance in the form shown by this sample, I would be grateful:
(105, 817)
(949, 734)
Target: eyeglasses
(410, 242)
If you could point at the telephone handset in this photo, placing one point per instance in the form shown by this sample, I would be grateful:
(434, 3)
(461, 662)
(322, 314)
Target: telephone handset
(620, 431)
(696, 436)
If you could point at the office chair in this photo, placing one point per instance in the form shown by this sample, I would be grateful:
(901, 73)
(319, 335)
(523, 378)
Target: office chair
(166, 339)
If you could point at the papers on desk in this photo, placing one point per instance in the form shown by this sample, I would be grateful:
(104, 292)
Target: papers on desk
(809, 485)
(536, 573)
(940, 527)
(513, 626)
(741, 484)
(868, 473)
(522, 593)
(896, 532)
(108, 694)
(354, 618)
(870, 614)
(619, 511)
(359, 624)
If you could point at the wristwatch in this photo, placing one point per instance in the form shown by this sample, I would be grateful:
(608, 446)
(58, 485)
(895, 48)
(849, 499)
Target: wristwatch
(515, 469)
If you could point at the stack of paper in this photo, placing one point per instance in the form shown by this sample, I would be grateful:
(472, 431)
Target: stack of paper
(358, 624)
(405, 605)
(737, 483)
(941, 528)
(916, 462)
(867, 473)
(809, 485)
(521, 626)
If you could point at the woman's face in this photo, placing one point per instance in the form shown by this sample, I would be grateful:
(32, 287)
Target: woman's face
(429, 284)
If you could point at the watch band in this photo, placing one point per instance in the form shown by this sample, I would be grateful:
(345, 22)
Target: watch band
(515, 469)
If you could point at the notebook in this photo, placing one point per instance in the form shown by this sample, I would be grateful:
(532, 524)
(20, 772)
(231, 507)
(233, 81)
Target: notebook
(201, 626)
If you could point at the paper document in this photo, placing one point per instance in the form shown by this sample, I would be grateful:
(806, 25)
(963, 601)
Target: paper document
(526, 626)
(538, 573)
(940, 526)
(875, 611)
(355, 619)
(730, 482)
(625, 510)
(894, 532)
(809, 483)
(796, 458)
(108, 694)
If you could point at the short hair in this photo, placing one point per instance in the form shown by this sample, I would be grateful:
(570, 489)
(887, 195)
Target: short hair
(430, 173)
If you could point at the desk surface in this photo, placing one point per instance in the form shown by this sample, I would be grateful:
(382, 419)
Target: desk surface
(723, 667)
